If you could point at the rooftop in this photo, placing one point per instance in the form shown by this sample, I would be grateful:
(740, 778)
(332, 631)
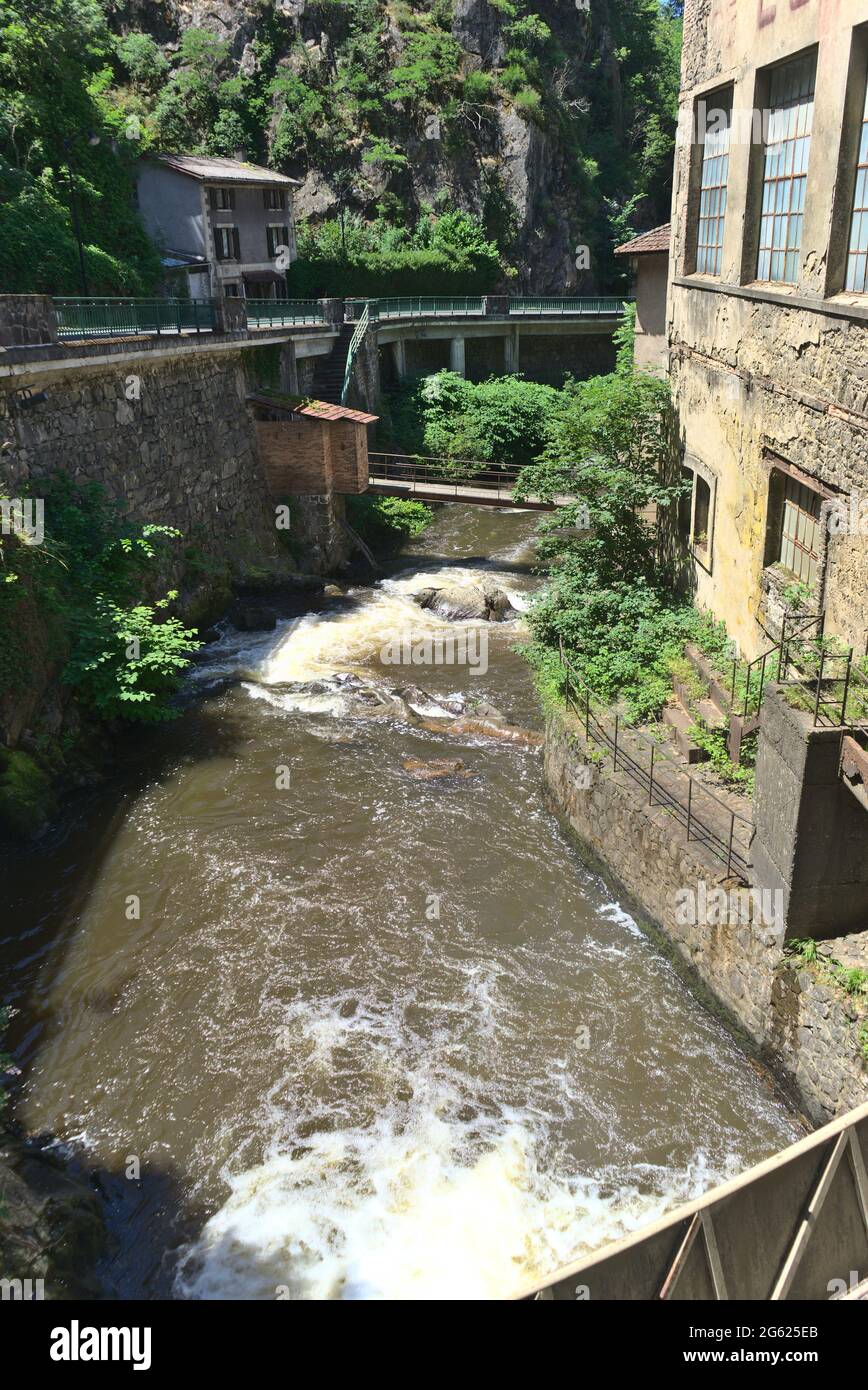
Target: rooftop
(208, 170)
(656, 240)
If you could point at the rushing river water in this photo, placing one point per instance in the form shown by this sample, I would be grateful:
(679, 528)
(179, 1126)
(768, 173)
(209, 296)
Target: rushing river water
(368, 1036)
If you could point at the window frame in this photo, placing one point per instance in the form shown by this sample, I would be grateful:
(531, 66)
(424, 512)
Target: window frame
(271, 192)
(859, 208)
(221, 198)
(723, 102)
(233, 240)
(271, 244)
(702, 553)
(785, 203)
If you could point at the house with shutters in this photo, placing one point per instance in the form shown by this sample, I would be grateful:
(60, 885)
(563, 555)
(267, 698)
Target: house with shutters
(222, 225)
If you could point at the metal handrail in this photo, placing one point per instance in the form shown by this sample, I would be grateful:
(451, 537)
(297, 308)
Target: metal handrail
(783, 650)
(275, 313)
(582, 306)
(421, 469)
(105, 316)
(724, 846)
(355, 341)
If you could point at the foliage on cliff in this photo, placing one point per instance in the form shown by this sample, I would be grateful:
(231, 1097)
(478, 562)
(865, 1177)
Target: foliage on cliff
(55, 69)
(552, 125)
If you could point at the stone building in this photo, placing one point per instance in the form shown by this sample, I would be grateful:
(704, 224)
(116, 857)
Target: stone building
(224, 224)
(649, 263)
(768, 311)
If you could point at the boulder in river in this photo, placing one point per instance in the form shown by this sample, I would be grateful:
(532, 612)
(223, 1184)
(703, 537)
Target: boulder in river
(427, 769)
(481, 601)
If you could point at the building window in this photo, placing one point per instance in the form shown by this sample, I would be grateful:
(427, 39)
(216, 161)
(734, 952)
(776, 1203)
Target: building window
(274, 199)
(277, 235)
(696, 510)
(785, 171)
(712, 196)
(223, 199)
(857, 258)
(800, 531)
(226, 244)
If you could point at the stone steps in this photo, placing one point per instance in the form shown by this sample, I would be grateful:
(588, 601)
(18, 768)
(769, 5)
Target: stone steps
(676, 718)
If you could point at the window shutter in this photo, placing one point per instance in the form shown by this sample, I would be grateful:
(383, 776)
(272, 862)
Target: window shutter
(212, 197)
(265, 197)
(236, 243)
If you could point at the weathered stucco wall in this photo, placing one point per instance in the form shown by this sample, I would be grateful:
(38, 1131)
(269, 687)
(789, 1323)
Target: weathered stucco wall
(764, 374)
(805, 1029)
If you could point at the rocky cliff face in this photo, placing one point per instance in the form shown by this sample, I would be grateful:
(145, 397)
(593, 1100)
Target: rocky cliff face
(535, 129)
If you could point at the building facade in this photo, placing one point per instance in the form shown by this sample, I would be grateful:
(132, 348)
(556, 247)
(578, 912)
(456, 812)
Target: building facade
(768, 312)
(649, 263)
(224, 224)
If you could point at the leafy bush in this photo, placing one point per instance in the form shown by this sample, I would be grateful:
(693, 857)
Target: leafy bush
(384, 523)
(83, 586)
(505, 420)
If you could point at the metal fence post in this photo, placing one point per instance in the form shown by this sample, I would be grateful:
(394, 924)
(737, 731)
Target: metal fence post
(846, 686)
(729, 847)
(615, 757)
(689, 805)
(819, 686)
(651, 783)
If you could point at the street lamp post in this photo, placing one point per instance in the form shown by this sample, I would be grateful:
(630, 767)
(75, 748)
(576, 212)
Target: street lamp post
(92, 139)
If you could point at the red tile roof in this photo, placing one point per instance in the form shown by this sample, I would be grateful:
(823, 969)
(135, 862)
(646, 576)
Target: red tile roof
(324, 410)
(655, 240)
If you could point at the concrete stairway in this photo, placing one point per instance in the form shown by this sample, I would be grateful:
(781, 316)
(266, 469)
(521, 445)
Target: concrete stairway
(710, 709)
(329, 372)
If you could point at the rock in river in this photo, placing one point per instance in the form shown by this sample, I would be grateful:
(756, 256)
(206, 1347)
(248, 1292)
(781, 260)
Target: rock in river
(482, 601)
(428, 768)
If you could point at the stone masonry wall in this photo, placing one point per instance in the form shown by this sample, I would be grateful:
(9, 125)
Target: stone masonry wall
(172, 439)
(804, 1028)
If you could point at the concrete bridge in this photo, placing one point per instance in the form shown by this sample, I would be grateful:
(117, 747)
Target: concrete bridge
(475, 336)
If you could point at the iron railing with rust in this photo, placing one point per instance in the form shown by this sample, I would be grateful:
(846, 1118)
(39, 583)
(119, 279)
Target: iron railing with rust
(418, 472)
(706, 818)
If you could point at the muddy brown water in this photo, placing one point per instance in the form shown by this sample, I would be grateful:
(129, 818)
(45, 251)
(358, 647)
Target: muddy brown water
(368, 1036)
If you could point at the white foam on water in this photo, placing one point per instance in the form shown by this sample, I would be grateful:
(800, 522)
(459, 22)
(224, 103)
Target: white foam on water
(396, 1212)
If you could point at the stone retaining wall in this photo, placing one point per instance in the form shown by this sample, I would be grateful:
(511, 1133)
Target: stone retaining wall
(807, 1030)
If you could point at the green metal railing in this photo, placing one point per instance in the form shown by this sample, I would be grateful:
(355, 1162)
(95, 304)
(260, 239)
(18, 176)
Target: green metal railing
(117, 318)
(279, 313)
(412, 306)
(582, 307)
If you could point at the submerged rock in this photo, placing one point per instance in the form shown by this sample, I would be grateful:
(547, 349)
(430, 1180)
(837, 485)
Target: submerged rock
(427, 769)
(249, 618)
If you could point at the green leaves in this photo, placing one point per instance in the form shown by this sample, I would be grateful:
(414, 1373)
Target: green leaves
(130, 661)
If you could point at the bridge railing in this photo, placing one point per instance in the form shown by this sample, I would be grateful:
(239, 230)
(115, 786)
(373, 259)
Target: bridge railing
(581, 307)
(483, 306)
(280, 313)
(115, 317)
(415, 472)
(416, 306)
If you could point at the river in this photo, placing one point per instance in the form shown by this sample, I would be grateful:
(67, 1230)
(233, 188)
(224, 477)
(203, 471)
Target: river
(364, 1035)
